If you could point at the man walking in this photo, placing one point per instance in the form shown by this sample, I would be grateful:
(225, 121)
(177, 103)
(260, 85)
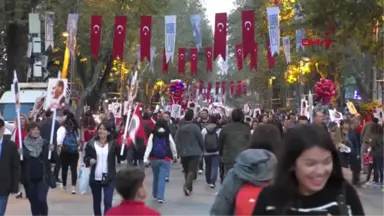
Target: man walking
(9, 169)
(190, 147)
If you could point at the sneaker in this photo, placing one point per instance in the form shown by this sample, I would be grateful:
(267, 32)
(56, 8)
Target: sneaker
(19, 195)
(160, 201)
(73, 190)
(187, 192)
(200, 172)
(167, 179)
(212, 186)
(58, 181)
(63, 188)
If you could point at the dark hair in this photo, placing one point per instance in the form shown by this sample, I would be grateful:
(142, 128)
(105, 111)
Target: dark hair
(2, 123)
(237, 115)
(161, 123)
(32, 125)
(107, 127)
(303, 118)
(189, 115)
(48, 113)
(266, 136)
(128, 181)
(60, 83)
(214, 119)
(70, 123)
(88, 121)
(146, 116)
(296, 141)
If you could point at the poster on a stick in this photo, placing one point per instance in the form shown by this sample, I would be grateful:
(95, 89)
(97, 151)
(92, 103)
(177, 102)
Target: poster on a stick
(56, 92)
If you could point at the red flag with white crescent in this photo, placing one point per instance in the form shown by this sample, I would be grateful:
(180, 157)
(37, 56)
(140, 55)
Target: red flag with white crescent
(194, 61)
(270, 58)
(165, 63)
(209, 88)
(253, 64)
(248, 29)
(119, 37)
(96, 22)
(220, 37)
(239, 56)
(217, 89)
(201, 86)
(223, 87)
(181, 64)
(208, 56)
(136, 130)
(145, 37)
(232, 86)
(239, 88)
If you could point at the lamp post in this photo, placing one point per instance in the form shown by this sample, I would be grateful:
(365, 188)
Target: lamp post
(270, 90)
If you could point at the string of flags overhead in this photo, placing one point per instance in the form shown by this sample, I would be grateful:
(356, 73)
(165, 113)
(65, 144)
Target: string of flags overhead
(248, 48)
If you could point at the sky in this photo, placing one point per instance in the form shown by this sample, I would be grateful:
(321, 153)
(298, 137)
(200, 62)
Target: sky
(217, 6)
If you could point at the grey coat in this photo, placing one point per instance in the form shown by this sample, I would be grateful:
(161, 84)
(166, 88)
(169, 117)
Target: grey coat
(189, 141)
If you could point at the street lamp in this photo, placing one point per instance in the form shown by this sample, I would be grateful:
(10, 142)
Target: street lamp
(270, 90)
(65, 34)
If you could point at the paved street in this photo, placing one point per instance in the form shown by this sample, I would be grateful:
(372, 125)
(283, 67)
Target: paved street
(63, 203)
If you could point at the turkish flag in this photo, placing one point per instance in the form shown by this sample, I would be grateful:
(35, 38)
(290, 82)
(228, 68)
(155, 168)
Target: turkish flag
(96, 22)
(145, 37)
(232, 85)
(201, 86)
(270, 58)
(239, 87)
(223, 87)
(248, 21)
(165, 64)
(208, 56)
(209, 88)
(253, 64)
(217, 88)
(119, 37)
(193, 53)
(245, 88)
(239, 56)
(181, 65)
(220, 37)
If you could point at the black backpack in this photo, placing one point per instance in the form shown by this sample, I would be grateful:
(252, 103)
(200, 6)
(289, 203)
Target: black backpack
(211, 141)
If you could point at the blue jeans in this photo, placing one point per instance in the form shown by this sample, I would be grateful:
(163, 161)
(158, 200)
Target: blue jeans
(37, 195)
(211, 168)
(3, 204)
(160, 170)
(97, 189)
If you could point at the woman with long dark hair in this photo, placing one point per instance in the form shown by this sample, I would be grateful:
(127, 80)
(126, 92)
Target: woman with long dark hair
(68, 147)
(309, 180)
(100, 156)
(161, 149)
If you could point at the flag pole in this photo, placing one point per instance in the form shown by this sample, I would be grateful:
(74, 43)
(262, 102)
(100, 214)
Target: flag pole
(19, 133)
(54, 114)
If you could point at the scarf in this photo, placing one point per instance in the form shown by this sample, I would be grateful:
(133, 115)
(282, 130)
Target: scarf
(34, 145)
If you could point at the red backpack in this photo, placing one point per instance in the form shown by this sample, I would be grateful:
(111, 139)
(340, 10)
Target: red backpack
(246, 199)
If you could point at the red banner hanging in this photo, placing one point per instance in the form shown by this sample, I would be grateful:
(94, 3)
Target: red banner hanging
(232, 86)
(201, 86)
(253, 64)
(165, 64)
(239, 88)
(239, 56)
(248, 21)
(245, 88)
(220, 37)
(217, 89)
(208, 56)
(119, 37)
(145, 37)
(193, 54)
(209, 88)
(270, 58)
(223, 87)
(181, 64)
(96, 23)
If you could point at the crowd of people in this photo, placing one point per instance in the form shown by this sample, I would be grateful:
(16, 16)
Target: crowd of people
(253, 161)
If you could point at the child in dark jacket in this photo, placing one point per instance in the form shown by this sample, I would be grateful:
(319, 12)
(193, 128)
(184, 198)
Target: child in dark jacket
(130, 185)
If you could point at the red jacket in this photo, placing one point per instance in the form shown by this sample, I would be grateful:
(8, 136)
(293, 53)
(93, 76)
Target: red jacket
(24, 133)
(132, 207)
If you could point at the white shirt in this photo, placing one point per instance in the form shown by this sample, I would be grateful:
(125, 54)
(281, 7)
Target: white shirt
(101, 161)
(60, 135)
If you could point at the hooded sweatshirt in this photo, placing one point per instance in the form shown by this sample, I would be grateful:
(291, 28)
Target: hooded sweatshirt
(253, 166)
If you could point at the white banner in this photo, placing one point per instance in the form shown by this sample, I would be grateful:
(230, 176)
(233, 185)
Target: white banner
(153, 54)
(274, 29)
(287, 49)
(34, 23)
(170, 37)
(49, 36)
(72, 31)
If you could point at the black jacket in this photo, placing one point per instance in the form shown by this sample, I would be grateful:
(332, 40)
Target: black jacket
(9, 168)
(114, 150)
(45, 128)
(43, 157)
